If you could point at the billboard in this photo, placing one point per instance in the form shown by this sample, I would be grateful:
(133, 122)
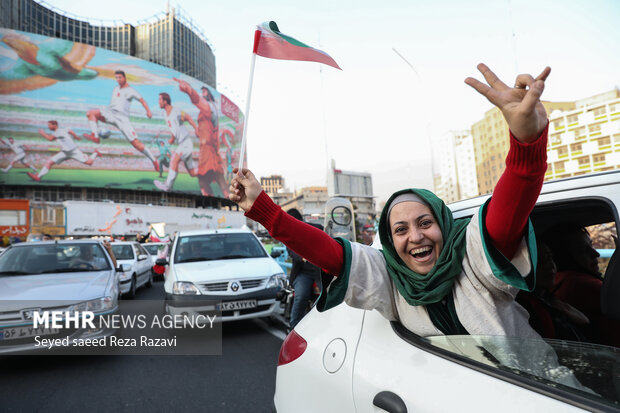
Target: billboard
(87, 218)
(73, 114)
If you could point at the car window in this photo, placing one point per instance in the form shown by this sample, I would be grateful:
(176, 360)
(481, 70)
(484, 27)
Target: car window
(123, 252)
(584, 368)
(556, 367)
(218, 247)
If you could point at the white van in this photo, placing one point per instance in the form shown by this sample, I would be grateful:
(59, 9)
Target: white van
(226, 268)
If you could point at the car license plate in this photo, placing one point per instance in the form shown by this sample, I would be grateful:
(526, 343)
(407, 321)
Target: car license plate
(15, 333)
(236, 305)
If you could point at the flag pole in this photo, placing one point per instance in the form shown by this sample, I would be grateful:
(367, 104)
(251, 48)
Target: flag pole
(247, 101)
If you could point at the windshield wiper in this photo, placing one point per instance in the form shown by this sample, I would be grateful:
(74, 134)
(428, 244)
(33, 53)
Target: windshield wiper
(232, 257)
(15, 273)
(196, 259)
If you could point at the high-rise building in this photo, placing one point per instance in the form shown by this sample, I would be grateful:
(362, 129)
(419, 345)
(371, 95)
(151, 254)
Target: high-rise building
(491, 143)
(169, 39)
(457, 168)
(585, 139)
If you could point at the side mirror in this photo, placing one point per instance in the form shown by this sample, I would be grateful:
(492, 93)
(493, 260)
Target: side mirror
(275, 254)
(124, 268)
(161, 261)
(141, 257)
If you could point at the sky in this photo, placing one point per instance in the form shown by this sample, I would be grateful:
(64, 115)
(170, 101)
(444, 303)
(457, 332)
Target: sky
(379, 115)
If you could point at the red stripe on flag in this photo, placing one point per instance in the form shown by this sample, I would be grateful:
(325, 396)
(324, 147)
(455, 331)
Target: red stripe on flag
(275, 48)
(256, 41)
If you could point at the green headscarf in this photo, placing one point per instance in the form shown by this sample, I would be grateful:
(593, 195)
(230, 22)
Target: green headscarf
(433, 287)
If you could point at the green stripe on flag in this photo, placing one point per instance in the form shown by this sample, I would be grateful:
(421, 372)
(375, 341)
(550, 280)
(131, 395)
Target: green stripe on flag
(274, 28)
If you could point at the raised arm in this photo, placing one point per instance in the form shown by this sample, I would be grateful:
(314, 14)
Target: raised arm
(46, 135)
(201, 104)
(519, 186)
(309, 242)
(146, 108)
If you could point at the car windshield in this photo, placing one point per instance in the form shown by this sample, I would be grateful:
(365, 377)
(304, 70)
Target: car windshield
(123, 252)
(152, 248)
(218, 247)
(53, 258)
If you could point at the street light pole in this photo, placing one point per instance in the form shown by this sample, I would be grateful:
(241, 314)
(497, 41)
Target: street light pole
(428, 135)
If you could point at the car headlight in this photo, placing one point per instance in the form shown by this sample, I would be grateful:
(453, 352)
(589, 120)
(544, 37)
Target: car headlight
(97, 305)
(124, 276)
(276, 280)
(185, 288)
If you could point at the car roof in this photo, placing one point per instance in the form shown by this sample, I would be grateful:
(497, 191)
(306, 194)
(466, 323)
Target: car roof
(556, 185)
(214, 231)
(60, 242)
(123, 242)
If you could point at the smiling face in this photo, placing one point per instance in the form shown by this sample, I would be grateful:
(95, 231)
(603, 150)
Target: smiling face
(416, 236)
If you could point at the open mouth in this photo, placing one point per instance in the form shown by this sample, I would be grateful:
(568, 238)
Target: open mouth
(421, 253)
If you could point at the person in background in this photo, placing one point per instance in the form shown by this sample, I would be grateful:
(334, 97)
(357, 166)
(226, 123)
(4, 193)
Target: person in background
(578, 281)
(303, 276)
(550, 316)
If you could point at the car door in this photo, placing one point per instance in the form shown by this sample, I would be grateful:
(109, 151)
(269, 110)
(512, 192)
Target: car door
(401, 372)
(140, 263)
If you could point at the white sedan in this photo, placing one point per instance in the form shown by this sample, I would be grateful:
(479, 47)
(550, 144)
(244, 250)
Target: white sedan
(54, 276)
(132, 254)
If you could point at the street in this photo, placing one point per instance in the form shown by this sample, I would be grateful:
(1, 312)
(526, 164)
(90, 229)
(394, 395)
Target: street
(242, 379)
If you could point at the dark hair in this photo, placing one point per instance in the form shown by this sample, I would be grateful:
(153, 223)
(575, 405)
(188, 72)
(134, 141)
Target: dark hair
(295, 214)
(53, 122)
(560, 238)
(165, 97)
(209, 95)
(120, 72)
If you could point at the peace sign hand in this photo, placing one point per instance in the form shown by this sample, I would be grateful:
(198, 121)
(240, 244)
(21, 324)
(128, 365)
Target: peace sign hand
(521, 107)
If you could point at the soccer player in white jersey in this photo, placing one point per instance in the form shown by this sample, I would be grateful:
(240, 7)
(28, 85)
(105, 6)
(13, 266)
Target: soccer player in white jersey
(183, 152)
(20, 154)
(117, 114)
(68, 149)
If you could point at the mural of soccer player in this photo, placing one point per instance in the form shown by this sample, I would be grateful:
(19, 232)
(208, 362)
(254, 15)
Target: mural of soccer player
(20, 154)
(183, 152)
(68, 149)
(164, 155)
(210, 168)
(226, 137)
(117, 114)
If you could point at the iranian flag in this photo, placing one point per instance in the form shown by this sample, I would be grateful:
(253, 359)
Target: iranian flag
(270, 42)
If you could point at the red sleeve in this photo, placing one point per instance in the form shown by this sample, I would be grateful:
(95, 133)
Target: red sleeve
(516, 193)
(309, 242)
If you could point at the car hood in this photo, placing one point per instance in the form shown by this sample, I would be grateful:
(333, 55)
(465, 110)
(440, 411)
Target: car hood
(238, 269)
(75, 286)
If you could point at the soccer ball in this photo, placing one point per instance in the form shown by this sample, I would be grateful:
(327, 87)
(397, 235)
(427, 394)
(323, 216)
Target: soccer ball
(104, 133)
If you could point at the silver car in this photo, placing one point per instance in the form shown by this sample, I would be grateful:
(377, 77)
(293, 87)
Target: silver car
(54, 276)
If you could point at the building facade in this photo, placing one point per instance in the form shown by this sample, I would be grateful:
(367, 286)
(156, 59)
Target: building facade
(585, 139)
(272, 184)
(491, 143)
(169, 39)
(310, 202)
(357, 188)
(457, 168)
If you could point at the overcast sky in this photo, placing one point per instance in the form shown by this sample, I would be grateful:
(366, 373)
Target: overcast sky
(377, 115)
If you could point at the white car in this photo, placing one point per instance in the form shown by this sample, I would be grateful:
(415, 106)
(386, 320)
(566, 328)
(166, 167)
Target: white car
(157, 250)
(53, 276)
(229, 267)
(351, 360)
(140, 272)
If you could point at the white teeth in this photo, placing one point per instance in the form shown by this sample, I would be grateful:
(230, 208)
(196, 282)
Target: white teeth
(420, 250)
